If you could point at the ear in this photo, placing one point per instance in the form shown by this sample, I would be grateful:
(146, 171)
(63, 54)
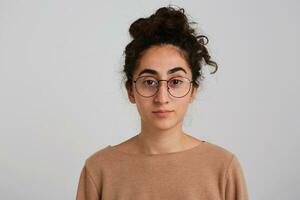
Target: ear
(194, 93)
(130, 94)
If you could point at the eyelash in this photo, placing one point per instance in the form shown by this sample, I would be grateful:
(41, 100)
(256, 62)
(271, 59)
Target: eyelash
(169, 79)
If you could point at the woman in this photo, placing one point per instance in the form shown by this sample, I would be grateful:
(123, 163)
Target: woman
(162, 68)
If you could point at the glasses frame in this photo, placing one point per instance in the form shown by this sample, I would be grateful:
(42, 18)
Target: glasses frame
(159, 85)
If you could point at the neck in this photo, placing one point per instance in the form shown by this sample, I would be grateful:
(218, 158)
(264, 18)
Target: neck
(156, 141)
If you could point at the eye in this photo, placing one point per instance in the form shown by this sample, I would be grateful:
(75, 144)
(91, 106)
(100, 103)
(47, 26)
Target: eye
(149, 82)
(176, 82)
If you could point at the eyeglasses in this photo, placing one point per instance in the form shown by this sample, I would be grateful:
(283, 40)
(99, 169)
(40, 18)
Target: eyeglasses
(148, 86)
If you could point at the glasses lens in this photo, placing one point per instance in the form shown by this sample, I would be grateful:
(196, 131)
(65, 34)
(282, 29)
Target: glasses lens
(179, 86)
(146, 86)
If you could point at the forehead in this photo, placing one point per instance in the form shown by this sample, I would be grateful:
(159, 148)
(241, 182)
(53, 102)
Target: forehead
(163, 60)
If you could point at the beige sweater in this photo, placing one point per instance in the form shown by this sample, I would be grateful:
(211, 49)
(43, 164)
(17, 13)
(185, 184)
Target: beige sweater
(204, 172)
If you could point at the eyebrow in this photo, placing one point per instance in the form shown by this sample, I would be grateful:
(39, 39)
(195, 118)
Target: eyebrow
(171, 71)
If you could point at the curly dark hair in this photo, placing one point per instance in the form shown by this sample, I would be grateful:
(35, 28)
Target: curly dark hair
(167, 25)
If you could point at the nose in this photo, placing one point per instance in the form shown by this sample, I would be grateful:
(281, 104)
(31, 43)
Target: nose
(162, 95)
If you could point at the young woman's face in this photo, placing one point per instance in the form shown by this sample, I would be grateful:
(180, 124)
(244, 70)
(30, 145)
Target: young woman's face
(157, 62)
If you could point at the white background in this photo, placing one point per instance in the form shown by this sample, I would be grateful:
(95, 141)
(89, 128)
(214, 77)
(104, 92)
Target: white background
(62, 98)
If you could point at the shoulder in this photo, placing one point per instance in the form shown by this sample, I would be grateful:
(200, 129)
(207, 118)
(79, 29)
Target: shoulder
(218, 155)
(100, 155)
(97, 160)
(218, 150)
(224, 165)
(214, 151)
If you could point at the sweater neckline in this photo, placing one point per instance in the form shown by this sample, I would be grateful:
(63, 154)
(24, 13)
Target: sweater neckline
(160, 154)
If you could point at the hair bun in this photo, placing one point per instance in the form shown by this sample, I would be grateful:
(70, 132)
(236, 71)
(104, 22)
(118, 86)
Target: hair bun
(136, 28)
(164, 21)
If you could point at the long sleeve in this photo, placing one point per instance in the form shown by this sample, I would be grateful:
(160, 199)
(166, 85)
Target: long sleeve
(87, 189)
(236, 187)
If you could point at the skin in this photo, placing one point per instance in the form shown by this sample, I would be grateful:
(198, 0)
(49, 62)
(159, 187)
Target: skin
(161, 135)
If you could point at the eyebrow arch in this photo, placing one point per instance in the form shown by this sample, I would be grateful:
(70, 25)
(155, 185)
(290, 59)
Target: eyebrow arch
(171, 71)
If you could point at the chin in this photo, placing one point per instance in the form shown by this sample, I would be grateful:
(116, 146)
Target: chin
(163, 124)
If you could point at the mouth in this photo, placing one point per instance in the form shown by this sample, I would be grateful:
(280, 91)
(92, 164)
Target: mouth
(162, 113)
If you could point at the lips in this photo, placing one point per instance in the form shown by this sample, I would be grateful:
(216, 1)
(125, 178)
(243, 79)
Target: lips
(162, 111)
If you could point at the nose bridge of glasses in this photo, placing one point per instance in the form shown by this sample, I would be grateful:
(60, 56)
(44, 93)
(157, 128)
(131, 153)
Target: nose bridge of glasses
(161, 85)
(162, 91)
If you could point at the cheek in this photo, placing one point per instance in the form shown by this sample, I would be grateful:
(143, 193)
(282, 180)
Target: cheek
(143, 106)
(181, 108)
